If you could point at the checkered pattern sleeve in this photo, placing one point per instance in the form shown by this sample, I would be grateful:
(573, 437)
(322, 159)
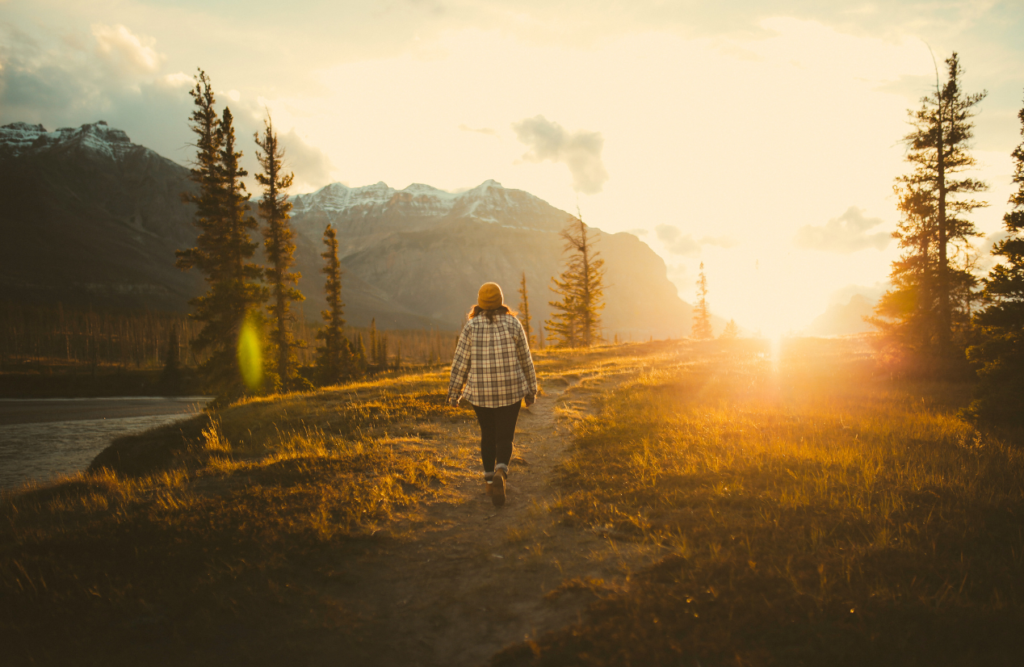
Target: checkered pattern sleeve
(493, 361)
(525, 359)
(460, 365)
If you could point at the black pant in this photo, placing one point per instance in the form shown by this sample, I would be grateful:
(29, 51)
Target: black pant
(497, 428)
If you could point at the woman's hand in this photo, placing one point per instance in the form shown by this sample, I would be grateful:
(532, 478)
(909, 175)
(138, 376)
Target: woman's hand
(529, 399)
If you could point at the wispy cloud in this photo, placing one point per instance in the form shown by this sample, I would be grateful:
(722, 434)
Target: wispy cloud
(125, 50)
(311, 166)
(479, 130)
(675, 241)
(845, 234)
(580, 151)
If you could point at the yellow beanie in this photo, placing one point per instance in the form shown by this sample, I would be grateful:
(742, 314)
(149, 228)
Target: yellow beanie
(490, 296)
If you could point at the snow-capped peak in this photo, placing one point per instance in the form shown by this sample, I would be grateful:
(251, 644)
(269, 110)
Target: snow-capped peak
(24, 138)
(338, 197)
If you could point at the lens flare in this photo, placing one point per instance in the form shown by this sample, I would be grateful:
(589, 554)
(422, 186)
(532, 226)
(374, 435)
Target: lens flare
(250, 357)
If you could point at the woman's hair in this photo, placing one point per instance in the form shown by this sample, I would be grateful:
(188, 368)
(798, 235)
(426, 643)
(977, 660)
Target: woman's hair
(500, 310)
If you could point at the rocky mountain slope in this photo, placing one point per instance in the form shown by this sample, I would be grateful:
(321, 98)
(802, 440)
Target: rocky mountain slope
(92, 218)
(96, 220)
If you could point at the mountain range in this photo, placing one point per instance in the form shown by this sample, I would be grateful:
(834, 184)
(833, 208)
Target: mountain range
(96, 220)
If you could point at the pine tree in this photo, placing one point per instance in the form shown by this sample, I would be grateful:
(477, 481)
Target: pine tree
(524, 312)
(360, 354)
(333, 358)
(222, 252)
(170, 379)
(1001, 354)
(576, 318)
(932, 281)
(372, 336)
(731, 330)
(280, 247)
(563, 325)
(701, 316)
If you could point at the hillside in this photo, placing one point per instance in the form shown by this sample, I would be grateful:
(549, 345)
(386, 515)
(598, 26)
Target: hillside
(97, 219)
(93, 219)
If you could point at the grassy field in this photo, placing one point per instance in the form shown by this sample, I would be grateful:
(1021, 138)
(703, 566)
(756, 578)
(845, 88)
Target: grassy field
(813, 512)
(803, 509)
(206, 541)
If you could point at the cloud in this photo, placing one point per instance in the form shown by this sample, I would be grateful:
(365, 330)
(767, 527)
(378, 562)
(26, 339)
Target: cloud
(985, 259)
(478, 130)
(580, 151)
(311, 166)
(845, 234)
(639, 231)
(109, 74)
(176, 80)
(676, 242)
(124, 50)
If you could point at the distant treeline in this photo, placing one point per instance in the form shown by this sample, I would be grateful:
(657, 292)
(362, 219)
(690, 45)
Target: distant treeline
(59, 335)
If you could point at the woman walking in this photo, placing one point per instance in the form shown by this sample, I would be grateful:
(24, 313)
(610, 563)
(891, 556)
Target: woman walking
(493, 363)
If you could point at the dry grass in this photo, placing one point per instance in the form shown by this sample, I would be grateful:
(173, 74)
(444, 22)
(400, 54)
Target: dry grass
(212, 541)
(218, 523)
(811, 514)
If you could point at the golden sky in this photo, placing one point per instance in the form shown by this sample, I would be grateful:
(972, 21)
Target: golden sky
(761, 139)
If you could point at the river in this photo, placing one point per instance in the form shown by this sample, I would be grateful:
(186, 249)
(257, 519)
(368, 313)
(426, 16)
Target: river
(43, 438)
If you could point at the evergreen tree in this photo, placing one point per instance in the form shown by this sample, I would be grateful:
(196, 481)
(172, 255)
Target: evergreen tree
(374, 357)
(170, 379)
(701, 329)
(333, 358)
(563, 325)
(931, 296)
(576, 318)
(731, 330)
(222, 252)
(280, 247)
(359, 354)
(1001, 354)
(524, 312)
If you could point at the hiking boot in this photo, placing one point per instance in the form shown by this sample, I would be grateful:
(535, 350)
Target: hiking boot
(498, 488)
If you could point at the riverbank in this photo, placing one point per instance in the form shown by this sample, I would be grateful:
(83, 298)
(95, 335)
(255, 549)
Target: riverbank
(41, 439)
(52, 380)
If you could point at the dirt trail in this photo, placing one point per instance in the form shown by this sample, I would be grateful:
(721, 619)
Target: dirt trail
(466, 579)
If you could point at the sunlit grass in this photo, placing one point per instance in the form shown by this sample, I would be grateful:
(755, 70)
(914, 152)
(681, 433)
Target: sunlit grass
(810, 513)
(180, 535)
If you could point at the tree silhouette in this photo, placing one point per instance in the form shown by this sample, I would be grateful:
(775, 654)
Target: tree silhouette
(576, 319)
(701, 329)
(930, 300)
(278, 237)
(524, 312)
(334, 357)
(1001, 353)
(731, 330)
(222, 253)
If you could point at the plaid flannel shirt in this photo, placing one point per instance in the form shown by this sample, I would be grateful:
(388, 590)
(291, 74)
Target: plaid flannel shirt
(492, 361)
